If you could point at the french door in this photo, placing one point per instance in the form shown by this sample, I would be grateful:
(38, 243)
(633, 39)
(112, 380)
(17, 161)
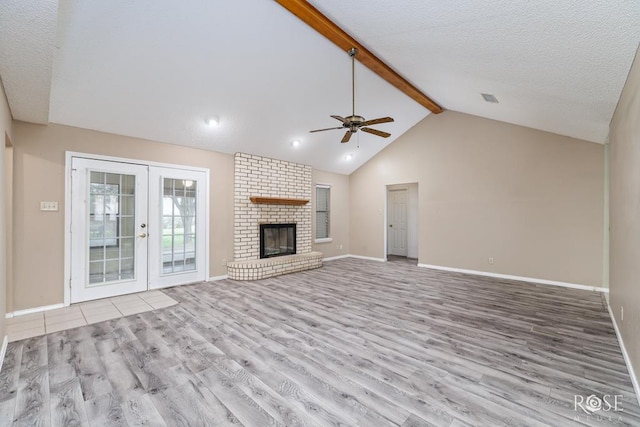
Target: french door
(134, 227)
(177, 213)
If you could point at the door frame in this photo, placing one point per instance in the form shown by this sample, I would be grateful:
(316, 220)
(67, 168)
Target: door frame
(410, 214)
(69, 155)
(391, 189)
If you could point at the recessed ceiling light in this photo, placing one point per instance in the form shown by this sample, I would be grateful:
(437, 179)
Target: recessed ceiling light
(212, 121)
(295, 143)
(348, 157)
(490, 98)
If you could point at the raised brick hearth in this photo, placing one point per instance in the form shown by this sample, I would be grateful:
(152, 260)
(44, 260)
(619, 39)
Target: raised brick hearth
(270, 267)
(271, 178)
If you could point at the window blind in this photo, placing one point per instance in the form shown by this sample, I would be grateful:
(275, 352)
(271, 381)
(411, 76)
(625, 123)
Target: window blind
(322, 212)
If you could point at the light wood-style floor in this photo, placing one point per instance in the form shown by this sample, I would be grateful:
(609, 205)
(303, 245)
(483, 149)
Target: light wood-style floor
(356, 343)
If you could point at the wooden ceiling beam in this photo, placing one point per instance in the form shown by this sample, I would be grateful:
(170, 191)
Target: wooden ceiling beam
(315, 19)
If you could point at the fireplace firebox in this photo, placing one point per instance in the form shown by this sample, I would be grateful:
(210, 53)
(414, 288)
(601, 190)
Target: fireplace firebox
(277, 240)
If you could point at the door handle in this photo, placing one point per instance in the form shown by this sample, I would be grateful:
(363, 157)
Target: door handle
(142, 235)
(390, 225)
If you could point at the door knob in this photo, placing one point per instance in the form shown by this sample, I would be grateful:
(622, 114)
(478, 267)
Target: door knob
(142, 235)
(390, 225)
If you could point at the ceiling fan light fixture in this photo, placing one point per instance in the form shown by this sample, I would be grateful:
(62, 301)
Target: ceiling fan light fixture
(353, 123)
(212, 121)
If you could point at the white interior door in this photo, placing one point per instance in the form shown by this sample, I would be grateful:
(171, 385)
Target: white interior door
(397, 222)
(108, 229)
(177, 215)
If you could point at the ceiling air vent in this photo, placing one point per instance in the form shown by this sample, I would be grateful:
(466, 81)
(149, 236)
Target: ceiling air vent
(489, 98)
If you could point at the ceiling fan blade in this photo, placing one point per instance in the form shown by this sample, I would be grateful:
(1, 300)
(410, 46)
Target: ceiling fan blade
(377, 121)
(347, 136)
(322, 130)
(342, 119)
(376, 132)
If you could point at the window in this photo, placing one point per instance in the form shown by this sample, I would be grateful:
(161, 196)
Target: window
(322, 211)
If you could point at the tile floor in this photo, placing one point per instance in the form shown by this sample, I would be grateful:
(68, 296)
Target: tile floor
(33, 325)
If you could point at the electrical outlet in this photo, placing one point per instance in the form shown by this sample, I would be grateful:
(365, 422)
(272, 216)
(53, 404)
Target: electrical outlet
(490, 260)
(339, 247)
(224, 262)
(621, 313)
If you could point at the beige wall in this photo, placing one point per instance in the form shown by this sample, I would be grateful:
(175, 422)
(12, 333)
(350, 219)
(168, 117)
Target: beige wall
(6, 133)
(605, 223)
(532, 200)
(624, 253)
(338, 213)
(39, 164)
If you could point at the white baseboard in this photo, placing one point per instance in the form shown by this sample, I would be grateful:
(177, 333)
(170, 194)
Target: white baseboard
(216, 278)
(3, 350)
(33, 310)
(332, 258)
(367, 258)
(519, 278)
(627, 359)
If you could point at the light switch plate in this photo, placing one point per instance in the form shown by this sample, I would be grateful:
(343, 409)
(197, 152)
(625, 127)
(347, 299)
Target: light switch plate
(48, 206)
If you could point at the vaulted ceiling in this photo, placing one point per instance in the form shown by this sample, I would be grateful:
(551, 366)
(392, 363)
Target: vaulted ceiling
(157, 69)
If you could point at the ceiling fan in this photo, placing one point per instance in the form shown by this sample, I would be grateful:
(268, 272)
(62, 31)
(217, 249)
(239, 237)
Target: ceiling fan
(354, 123)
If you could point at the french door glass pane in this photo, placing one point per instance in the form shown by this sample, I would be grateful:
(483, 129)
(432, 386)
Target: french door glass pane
(178, 225)
(111, 227)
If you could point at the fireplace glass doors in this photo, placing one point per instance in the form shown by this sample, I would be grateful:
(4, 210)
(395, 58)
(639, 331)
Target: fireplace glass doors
(277, 240)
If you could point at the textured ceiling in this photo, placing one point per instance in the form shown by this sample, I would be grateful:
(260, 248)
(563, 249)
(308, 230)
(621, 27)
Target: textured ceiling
(27, 34)
(157, 69)
(554, 65)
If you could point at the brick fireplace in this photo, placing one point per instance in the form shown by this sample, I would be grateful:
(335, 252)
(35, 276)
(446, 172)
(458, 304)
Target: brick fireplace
(270, 191)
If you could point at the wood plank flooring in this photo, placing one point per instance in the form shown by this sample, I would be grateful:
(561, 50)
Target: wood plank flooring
(355, 343)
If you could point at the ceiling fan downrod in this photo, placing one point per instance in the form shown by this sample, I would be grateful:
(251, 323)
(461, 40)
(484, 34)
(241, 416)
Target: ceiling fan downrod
(352, 53)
